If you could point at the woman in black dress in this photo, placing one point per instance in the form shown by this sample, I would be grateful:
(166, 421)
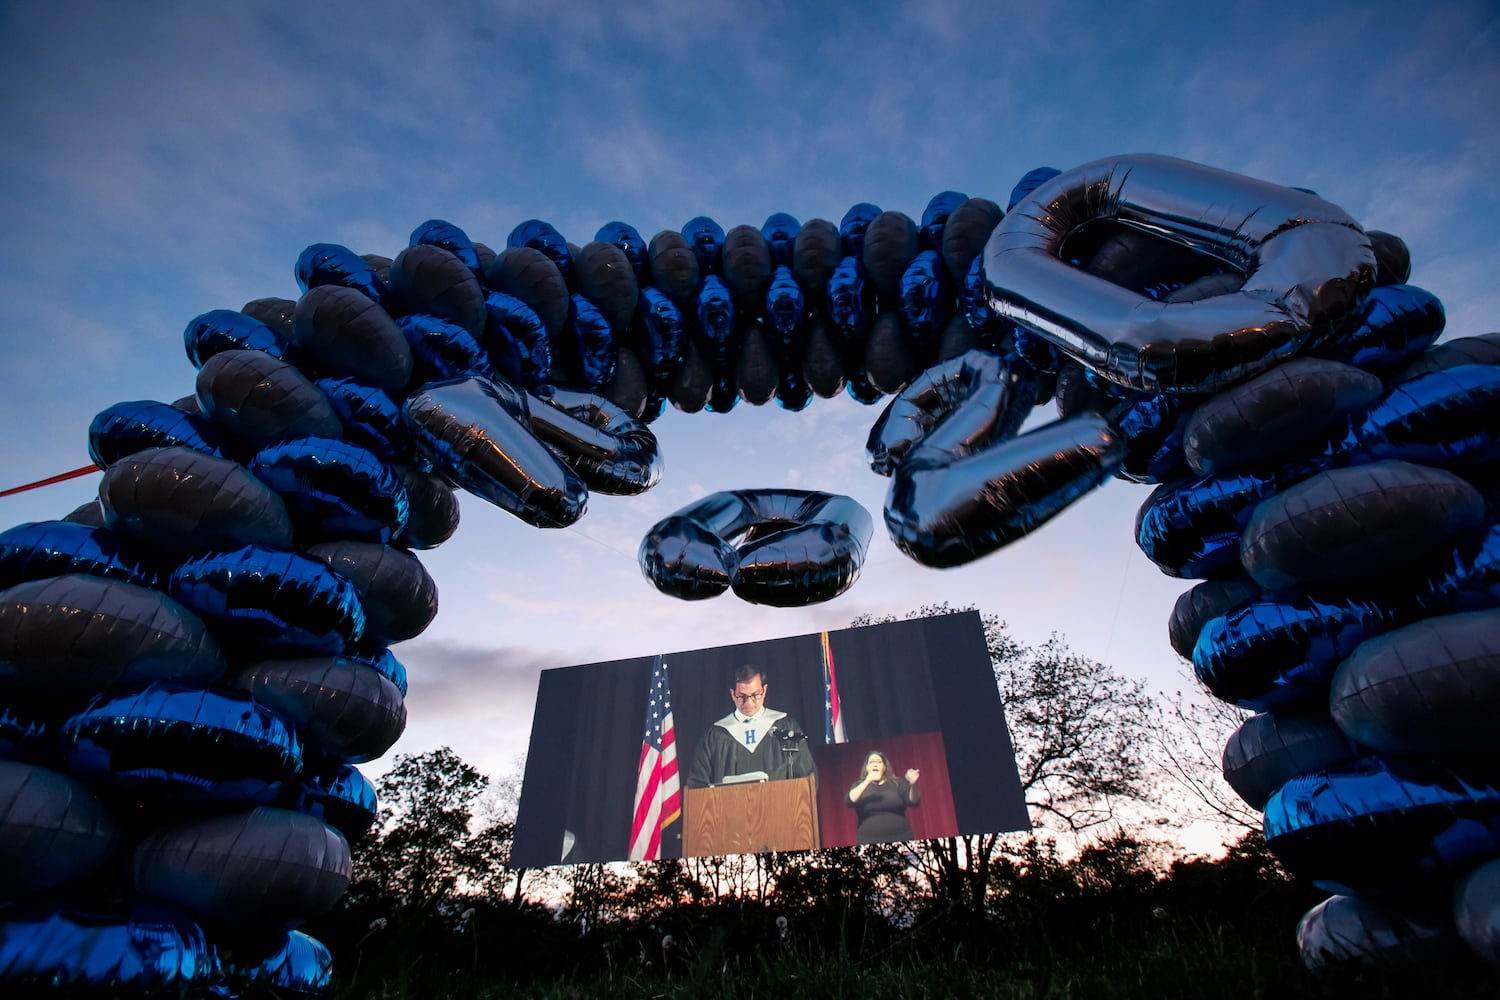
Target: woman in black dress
(880, 800)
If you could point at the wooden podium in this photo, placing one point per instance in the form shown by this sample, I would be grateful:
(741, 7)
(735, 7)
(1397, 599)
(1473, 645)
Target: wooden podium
(750, 818)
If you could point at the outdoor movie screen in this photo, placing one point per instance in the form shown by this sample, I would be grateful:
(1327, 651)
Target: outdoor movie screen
(864, 735)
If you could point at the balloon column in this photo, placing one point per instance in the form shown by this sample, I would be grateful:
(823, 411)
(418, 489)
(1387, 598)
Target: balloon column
(1326, 470)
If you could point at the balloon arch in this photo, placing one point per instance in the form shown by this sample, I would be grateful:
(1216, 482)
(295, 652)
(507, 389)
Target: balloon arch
(191, 667)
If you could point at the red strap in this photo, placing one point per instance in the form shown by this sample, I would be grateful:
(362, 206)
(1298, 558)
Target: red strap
(60, 478)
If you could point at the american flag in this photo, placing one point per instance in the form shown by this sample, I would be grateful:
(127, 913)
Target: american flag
(833, 712)
(658, 793)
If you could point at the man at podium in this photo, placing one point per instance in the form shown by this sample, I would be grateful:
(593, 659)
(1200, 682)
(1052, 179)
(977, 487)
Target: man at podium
(753, 742)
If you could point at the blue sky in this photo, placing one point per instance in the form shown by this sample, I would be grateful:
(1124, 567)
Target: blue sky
(160, 160)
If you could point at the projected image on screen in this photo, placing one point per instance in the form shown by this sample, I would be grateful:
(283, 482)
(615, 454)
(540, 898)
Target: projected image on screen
(860, 736)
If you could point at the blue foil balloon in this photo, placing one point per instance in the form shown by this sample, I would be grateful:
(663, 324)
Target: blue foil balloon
(226, 330)
(780, 233)
(143, 948)
(267, 601)
(442, 350)
(1154, 427)
(592, 353)
(383, 661)
(517, 340)
(706, 237)
(1032, 180)
(659, 332)
(1466, 578)
(171, 745)
(629, 241)
(331, 264)
(371, 418)
(302, 966)
(1386, 827)
(935, 217)
(716, 314)
(1191, 529)
(972, 301)
(924, 300)
(1270, 652)
(852, 228)
(339, 796)
(542, 236)
(849, 306)
(1449, 418)
(1393, 325)
(784, 307)
(126, 428)
(51, 548)
(437, 233)
(334, 489)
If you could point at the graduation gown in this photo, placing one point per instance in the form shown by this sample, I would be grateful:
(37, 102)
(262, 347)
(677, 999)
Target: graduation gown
(735, 745)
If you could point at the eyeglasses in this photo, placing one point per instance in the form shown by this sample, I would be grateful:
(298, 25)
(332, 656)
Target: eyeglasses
(745, 699)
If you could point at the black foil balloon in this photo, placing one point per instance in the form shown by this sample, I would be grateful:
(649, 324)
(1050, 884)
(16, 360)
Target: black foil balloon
(432, 509)
(399, 597)
(1481, 350)
(53, 830)
(274, 312)
(348, 334)
(259, 868)
(529, 275)
(1392, 258)
(891, 243)
(968, 227)
(815, 253)
(756, 372)
(747, 268)
(1357, 525)
(890, 360)
(184, 501)
(1272, 748)
(430, 280)
(260, 400)
(346, 711)
(1285, 412)
(607, 279)
(674, 266)
(823, 360)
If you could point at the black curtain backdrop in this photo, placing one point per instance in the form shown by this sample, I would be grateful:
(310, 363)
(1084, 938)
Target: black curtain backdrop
(898, 679)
